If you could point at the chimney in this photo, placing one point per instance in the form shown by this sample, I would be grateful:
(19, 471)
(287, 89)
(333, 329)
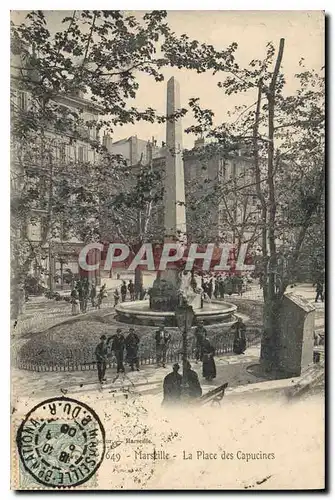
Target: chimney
(149, 152)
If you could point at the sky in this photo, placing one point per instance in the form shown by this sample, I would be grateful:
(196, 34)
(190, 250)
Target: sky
(304, 37)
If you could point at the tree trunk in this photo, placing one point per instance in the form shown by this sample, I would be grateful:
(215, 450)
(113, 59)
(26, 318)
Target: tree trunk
(270, 340)
(272, 301)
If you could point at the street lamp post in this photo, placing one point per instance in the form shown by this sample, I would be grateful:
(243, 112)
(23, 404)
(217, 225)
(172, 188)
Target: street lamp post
(184, 317)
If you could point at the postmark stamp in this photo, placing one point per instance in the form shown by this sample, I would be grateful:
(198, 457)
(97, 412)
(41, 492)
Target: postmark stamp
(61, 442)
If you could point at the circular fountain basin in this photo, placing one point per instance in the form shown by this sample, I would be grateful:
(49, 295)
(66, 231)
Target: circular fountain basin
(139, 312)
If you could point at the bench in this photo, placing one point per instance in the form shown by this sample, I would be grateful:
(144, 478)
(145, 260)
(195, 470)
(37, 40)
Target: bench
(215, 396)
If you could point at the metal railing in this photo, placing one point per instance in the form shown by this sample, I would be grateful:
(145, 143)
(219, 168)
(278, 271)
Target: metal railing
(84, 359)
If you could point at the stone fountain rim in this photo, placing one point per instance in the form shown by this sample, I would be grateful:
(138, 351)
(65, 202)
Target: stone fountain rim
(120, 308)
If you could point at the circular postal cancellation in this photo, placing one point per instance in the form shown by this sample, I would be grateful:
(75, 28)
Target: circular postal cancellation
(61, 442)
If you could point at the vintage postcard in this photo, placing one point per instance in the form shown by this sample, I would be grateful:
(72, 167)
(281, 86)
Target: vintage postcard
(167, 250)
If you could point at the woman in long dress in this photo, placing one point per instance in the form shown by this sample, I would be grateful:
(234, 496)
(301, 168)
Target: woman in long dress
(208, 363)
(240, 341)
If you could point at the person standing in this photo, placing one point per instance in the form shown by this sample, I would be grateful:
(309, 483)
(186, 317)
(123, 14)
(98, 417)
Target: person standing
(172, 386)
(93, 295)
(116, 297)
(193, 389)
(199, 334)
(210, 288)
(208, 363)
(118, 344)
(132, 341)
(101, 295)
(222, 287)
(74, 302)
(131, 290)
(319, 291)
(239, 281)
(101, 357)
(123, 291)
(162, 338)
(86, 291)
(217, 287)
(261, 281)
(240, 341)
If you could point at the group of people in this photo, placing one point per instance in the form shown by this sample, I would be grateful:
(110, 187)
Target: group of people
(128, 289)
(173, 385)
(220, 285)
(117, 344)
(83, 292)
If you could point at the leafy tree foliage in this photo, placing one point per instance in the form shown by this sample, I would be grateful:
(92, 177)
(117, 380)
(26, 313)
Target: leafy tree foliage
(284, 137)
(94, 59)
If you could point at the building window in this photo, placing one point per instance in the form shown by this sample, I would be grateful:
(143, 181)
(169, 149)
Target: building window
(234, 170)
(68, 153)
(22, 101)
(80, 153)
(62, 153)
(222, 168)
(92, 132)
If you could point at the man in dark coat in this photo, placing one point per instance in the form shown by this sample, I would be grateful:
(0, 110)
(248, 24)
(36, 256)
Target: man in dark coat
(217, 287)
(123, 291)
(131, 289)
(240, 341)
(221, 287)
(172, 386)
(132, 341)
(208, 363)
(118, 348)
(116, 297)
(193, 385)
(239, 283)
(162, 338)
(101, 356)
(93, 295)
(199, 334)
(319, 291)
(204, 285)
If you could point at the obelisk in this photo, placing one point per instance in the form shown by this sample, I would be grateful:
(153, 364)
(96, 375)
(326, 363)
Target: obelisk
(164, 292)
(174, 184)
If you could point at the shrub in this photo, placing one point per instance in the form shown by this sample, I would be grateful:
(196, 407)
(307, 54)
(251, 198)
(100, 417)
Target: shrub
(32, 286)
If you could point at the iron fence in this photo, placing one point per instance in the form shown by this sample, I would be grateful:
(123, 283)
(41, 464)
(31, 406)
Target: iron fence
(84, 359)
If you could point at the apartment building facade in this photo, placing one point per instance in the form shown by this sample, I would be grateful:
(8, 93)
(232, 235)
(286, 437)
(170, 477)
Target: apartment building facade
(57, 257)
(230, 213)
